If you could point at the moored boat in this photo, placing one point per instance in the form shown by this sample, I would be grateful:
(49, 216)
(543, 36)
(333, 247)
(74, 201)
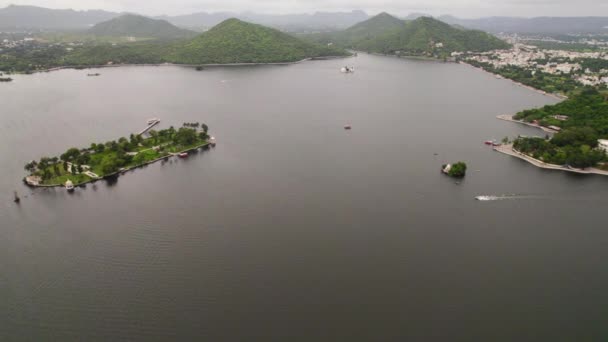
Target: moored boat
(69, 186)
(183, 155)
(212, 141)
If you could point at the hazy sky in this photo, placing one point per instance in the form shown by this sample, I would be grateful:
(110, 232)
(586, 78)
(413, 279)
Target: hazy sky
(462, 8)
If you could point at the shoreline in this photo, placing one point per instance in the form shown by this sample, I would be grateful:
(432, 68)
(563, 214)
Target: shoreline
(210, 65)
(540, 91)
(510, 118)
(117, 173)
(509, 150)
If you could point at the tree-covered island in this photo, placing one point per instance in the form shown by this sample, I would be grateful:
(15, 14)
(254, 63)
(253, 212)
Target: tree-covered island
(101, 160)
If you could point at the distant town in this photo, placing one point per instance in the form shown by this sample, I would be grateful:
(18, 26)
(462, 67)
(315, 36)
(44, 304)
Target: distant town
(588, 68)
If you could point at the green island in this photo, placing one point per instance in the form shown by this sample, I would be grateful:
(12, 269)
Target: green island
(582, 125)
(102, 160)
(456, 170)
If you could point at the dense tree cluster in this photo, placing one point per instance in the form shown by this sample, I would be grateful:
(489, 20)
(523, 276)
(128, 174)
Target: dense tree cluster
(575, 145)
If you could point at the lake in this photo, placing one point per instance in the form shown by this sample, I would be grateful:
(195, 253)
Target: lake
(293, 228)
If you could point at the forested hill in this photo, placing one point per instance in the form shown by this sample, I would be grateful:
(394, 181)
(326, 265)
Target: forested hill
(423, 36)
(235, 41)
(232, 41)
(139, 26)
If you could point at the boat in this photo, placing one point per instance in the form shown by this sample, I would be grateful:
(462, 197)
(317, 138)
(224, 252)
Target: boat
(485, 198)
(496, 144)
(446, 168)
(92, 75)
(347, 70)
(69, 186)
(183, 155)
(153, 121)
(489, 142)
(17, 199)
(212, 141)
(347, 127)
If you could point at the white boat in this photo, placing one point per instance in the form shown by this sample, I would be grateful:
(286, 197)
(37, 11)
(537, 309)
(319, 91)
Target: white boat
(69, 186)
(212, 141)
(486, 198)
(347, 70)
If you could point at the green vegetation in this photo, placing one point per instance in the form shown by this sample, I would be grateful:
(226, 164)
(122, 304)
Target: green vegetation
(575, 145)
(593, 64)
(108, 158)
(550, 83)
(569, 46)
(424, 36)
(232, 41)
(130, 25)
(235, 41)
(458, 170)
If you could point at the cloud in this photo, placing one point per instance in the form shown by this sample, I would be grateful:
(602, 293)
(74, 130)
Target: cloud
(463, 8)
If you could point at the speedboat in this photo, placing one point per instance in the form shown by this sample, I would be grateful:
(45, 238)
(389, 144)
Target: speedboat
(489, 142)
(347, 127)
(212, 141)
(347, 70)
(183, 155)
(69, 186)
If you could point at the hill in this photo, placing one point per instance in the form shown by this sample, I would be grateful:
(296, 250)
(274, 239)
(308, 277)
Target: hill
(423, 36)
(32, 17)
(235, 41)
(139, 26)
(232, 41)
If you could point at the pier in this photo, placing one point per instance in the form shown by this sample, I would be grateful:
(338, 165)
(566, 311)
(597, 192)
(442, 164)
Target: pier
(151, 124)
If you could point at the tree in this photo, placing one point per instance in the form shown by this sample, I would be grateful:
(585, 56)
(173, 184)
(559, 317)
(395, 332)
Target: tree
(31, 166)
(70, 154)
(505, 140)
(154, 136)
(205, 128)
(458, 170)
(185, 136)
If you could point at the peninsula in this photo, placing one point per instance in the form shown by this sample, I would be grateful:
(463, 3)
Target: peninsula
(580, 142)
(101, 160)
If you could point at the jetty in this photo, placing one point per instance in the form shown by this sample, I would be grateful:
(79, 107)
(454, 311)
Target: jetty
(510, 118)
(151, 123)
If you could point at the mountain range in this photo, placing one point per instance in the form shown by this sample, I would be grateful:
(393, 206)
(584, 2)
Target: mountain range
(423, 36)
(232, 41)
(31, 17)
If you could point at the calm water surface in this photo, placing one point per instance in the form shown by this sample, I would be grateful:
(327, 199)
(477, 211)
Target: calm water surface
(292, 228)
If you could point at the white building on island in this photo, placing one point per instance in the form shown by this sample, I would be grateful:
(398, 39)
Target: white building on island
(603, 145)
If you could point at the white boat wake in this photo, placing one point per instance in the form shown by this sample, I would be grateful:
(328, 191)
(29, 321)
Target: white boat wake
(501, 197)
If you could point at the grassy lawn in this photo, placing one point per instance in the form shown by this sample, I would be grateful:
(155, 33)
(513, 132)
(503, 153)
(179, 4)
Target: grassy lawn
(64, 176)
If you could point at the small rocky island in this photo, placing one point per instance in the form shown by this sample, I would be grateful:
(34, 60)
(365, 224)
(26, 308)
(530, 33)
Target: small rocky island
(101, 160)
(458, 170)
(6, 79)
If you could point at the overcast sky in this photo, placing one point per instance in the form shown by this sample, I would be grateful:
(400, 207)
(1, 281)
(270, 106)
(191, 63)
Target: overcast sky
(461, 8)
